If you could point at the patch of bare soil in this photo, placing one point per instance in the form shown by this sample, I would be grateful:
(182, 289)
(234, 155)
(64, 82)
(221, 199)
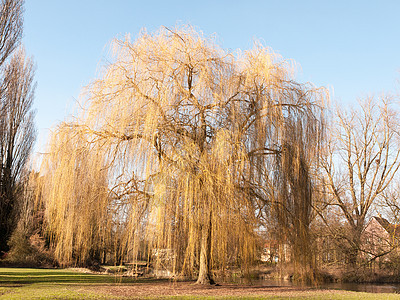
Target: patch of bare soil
(161, 289)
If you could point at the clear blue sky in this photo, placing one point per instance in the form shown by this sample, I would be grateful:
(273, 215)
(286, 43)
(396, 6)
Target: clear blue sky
(352, 47)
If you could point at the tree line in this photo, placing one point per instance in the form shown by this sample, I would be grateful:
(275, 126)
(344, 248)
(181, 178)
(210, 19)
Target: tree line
(184, 148)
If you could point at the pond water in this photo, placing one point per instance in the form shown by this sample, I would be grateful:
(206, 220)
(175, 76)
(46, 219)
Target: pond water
(356, 287)
(364, 287)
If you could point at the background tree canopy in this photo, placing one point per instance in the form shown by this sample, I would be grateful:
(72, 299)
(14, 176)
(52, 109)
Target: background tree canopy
(181, 145)
(17, 131)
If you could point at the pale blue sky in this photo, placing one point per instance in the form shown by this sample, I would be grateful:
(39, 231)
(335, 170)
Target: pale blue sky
(352, 47)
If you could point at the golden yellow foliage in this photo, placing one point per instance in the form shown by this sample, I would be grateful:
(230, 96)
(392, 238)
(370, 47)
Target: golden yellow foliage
(169, 150)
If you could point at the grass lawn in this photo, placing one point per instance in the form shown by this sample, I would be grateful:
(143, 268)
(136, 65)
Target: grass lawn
(18, 283)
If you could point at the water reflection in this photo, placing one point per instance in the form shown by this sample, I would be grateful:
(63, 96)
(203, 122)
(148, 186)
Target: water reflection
(364, 287)
(356, 287)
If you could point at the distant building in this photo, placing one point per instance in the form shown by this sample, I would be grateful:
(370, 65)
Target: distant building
(274, 252)
(379, 239)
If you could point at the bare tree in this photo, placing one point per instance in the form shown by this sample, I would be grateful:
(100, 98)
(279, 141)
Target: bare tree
(362, 158)
(17, 134)
(175, 126)
(11, 26)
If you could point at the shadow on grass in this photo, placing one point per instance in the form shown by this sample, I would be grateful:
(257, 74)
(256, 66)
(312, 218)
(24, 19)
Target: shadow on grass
(23, 276)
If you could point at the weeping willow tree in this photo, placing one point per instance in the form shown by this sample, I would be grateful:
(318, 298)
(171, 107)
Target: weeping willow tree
(172, 145)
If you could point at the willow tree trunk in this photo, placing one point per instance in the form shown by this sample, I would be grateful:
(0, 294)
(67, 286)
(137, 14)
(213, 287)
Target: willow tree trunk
(205, 276)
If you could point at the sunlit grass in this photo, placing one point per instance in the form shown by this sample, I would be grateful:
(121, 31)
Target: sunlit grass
(48, 291)
(315, 295)
(25, 283)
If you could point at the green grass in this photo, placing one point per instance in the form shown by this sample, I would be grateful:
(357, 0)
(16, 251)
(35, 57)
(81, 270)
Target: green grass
(46, 291)
(316, 295)
(19, 283)
(29, 276)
